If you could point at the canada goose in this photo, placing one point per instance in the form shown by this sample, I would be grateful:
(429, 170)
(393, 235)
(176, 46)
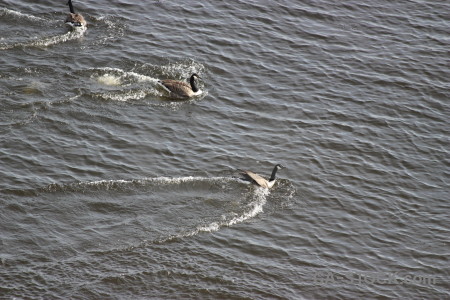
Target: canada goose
(75, 20)
(181, 89)
(255, 178)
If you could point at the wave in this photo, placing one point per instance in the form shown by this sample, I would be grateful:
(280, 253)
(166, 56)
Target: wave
(254, 208)
(46, 41)
(235, 201)
(116, 76)
(18, 15)
(121, 183)
(35, 27)
(58, 39)
(127, 85)
(120, 85)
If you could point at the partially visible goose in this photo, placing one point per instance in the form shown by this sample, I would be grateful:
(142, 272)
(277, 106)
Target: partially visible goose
(255, 178)
(181, 89)
(75, 20)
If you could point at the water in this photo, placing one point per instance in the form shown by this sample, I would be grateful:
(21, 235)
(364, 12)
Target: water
(110, 189)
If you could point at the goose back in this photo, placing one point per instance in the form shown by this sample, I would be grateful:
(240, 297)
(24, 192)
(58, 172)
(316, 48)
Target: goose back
(257, 178)
(75, 19)
(178, 88)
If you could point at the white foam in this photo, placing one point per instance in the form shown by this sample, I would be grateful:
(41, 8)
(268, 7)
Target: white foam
(40, 41)
(46, 41)
(249, 211)
(126, 96)
(179, 180)
(108, 79)
(137, 76)
(158, 180)
(214, 226)
(118, 77)
(21, 15)
(256, 207)
(183, 68)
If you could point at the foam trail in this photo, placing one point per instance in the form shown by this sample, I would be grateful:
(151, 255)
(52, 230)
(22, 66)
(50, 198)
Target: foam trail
(112, 184)
(125, 96)
(71, 35)
(17, 14)
(256, 207)
(252, 209)
(48, 41)
(117, 77)
(125, 74)
(108, 79)
(40, 42)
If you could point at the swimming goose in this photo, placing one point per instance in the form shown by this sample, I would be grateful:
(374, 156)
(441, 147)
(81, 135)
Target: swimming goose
(75, 20)
(182, 89)
(255, 178)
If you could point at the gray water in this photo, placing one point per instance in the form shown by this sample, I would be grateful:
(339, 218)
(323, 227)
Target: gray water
(110, 189)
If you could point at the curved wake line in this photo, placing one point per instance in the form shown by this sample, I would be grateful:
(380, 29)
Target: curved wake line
(255, 208)
(131, 95)
(20, 15)
(116, 183)
(163, 180)
(40, 42)
(139, 77)
(118, 77)
(71, 35)
(46, 41)
(251, 210)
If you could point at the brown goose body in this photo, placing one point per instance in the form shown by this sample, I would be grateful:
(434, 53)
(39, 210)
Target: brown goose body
(257, 179)
(181, 89)
(73, 19)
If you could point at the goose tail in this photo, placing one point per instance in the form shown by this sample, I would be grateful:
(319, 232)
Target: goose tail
(161, 83)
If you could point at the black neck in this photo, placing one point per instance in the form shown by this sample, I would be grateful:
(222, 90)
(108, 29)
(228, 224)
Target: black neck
(71, 7)
(274, 173)
(193, 84)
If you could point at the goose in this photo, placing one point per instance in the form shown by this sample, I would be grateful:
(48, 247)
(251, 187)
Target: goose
(181, 89)
(75, 20)
(255, 178)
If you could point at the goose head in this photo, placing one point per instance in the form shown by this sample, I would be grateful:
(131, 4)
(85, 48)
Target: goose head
(193, 82)
(279, 166)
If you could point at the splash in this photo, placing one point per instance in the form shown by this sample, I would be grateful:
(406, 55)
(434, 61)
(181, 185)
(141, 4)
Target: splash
(255, 207)
(108, 79)
(123, 96)
(119, 75)
(248, 207)
(58, 39)
(118, 183)
(114, 77)
(31, 24)
(182, 69)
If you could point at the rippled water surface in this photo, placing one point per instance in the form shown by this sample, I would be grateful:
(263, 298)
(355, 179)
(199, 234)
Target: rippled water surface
(111, 189)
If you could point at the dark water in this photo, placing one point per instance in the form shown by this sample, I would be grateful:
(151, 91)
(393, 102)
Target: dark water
(111, 190)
